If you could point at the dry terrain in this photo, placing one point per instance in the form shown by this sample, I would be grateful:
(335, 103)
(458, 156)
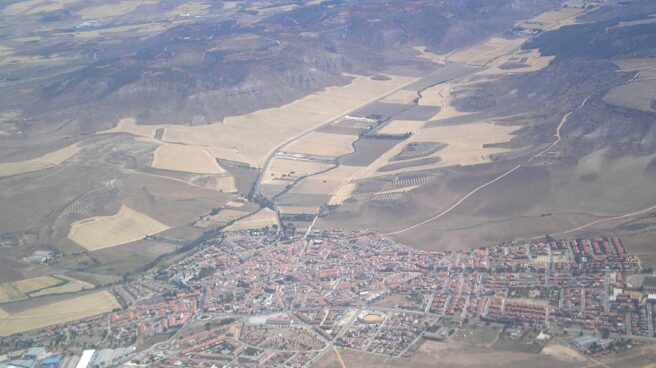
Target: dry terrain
(123, 227)
(72, 309)
(46, 161)
(183, 158)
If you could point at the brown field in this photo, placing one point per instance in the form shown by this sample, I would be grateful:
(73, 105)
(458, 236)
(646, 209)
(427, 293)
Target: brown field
(133, 28)
(3, 314)
(191, 8)
(249, 138)
(46, 161)
(291, 168)
(637, 94)
(484, 53)
(183, 158)
(525, 61)
(125, 226)
(59, 312)
(323, 144)
(552, 19)
(112, 9)
(562, 352)
(286, 210)
(32, 7)
(440, 95)
(129, 125)
(435, 58)
(262, 218)
(223, 217)
(402, 126)
(403, 96)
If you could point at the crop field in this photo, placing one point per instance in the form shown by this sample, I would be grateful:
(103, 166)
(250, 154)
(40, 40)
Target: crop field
(130, 126)
(637, 94)
(183, 158)
(281, 168)
(552, 19)
(262, 218)
(440, 95)
(435, 58)
(32, 7)
(520, 62)
(464, 144)
(403, 96)
(250, 137)
(40, 286)
(191, 8)
(323, 144)
(401, 126)
(72, 309)
(482, 54)
(223, 217)
(112, 9)
(123, 227)
(46, 161)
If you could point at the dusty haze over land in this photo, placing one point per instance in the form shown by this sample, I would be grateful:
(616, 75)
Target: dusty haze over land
(135, 133)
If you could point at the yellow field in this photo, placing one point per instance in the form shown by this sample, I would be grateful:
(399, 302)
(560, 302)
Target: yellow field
(191, 9)
(402, 126)
(183, 158)
(264, 217)
(73, 286)
(125, 226)
(552, 19)
(323, 144)
(464, 143)
(484, 53)
(249, 138)
(440, 95)
(40, 286)
(25, 286)
(291, 168)
(32, 7)
(59, 312)
(112, 10)
(229, 5)
(403, 96)
(46, 161)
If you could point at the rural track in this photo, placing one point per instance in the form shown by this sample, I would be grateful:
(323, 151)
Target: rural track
(558, 139)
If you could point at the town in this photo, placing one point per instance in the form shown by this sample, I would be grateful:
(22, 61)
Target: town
(249, 298)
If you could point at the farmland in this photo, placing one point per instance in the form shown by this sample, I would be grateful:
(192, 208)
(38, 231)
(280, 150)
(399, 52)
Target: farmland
(126, 226)
(46, 161)
(72, 309)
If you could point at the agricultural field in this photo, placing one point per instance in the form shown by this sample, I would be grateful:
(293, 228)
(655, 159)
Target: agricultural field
(482, 54)
(401, 127)
(46, 161)
(191, 8)
(126, 226)
(403, 96)
(552, 20)
(249, 138)
(262, 218)
(112, 9)
(183, 158)
(32, 7)
(281, 168)
(41, 286)
(323, 144)
(67, 310)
